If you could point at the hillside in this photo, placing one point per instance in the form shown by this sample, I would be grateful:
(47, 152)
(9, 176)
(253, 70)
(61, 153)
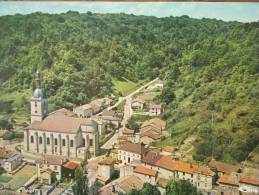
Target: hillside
(211, 68)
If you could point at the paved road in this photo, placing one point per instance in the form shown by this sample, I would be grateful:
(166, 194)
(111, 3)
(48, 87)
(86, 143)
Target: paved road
(127, 113)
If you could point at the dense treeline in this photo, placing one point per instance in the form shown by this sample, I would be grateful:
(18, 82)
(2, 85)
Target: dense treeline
(211, 68)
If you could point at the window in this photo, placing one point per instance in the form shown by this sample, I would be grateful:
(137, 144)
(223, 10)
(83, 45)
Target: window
(35, 111)
(32, 139)
(183, 174)
(56, 141)
(91, 142)
(191, 175)
(40, 140)
(71, 143)
(63, 142)
(55, 167)
(48, 140)
(35, 104)
(83, 142)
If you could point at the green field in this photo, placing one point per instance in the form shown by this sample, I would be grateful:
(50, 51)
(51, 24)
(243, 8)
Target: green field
(125, 86)
(20, 178)
(5, 178)
(148, 96)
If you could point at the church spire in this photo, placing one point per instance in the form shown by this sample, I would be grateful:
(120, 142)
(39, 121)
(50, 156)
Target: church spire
(39, 104)
(37, 79)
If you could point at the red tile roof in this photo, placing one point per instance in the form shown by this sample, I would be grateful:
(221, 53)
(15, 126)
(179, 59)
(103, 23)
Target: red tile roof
(133, 148)
(145, 171)
(151, 134)
(226, 179)
(155, 121)
(169, 163)
(249, 181)
(71, 165)
(224, 167)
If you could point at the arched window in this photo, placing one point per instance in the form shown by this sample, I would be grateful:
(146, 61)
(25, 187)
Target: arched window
(48, 140)
(63, 142)
(56, 141)
(40, 140)
(71, 143)
(32, 139)
(83, 141)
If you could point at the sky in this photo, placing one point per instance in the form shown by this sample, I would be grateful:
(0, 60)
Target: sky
(242, 12)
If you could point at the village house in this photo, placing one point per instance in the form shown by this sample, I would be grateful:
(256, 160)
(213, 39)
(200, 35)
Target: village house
(249, 186)
(10, 160)
(110, 117)
(130, 151)
(122, 185)
(169, 168)
(249, 181)
(58, 133)
(85, 110)
(137, 103)
(69, 169)
(131, 135)
(230, 181)
(105, 169)
(150, 135)
(94, 107)
(49, 169)
(145, 174)
(155, 123)
(152, 131)
(155, 109)
(221, 168)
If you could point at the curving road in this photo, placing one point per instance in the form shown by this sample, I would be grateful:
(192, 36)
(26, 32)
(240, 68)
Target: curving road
(127, 113)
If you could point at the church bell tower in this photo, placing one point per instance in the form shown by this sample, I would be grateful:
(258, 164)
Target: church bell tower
(39, 104)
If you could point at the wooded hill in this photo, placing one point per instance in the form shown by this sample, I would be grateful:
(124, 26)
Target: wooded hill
(211, 68)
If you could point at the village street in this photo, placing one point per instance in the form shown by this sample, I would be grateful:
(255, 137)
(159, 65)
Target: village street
(127, 113)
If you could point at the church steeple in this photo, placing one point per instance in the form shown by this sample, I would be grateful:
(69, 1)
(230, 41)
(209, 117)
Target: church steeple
(37, 79)
(39, 105)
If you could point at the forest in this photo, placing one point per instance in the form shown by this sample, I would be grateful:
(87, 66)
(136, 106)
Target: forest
(211, 69)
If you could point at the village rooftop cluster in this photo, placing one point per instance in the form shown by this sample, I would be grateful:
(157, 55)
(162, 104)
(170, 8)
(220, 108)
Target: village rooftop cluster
(56, 143)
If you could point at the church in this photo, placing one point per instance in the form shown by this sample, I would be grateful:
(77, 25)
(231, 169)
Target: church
(59, 133)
